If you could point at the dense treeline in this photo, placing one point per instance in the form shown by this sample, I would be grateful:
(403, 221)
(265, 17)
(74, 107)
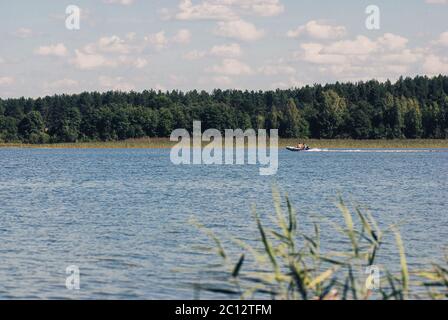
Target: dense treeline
(409, 108)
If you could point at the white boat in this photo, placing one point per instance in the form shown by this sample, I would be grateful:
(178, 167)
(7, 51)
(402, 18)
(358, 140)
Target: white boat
(295, 149)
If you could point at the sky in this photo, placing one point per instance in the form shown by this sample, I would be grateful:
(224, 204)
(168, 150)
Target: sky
(206, 44)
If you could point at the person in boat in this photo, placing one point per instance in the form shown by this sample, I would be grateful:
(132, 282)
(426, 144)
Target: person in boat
(301, 146)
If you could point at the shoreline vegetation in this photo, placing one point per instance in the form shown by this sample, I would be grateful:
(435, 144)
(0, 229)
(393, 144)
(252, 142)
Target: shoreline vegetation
(289, 263)
(165, 143)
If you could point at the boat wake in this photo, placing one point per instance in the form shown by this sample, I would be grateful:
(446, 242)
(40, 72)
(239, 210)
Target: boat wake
(378, 150)
(318, 150)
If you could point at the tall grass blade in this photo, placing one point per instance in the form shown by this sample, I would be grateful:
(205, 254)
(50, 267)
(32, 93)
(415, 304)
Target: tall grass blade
(267, 246)
(238, 266)
(403, 263)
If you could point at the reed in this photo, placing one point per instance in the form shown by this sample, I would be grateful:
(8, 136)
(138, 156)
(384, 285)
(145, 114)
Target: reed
(289, 264)
(160, 143)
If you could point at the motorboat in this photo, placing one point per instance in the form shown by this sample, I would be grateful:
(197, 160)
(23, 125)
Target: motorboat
(295, 149)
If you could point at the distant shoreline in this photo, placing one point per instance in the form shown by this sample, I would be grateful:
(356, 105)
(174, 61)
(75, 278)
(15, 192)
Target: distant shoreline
(164, 143)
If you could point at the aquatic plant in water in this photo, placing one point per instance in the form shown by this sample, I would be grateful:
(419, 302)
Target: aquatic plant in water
(290, 264)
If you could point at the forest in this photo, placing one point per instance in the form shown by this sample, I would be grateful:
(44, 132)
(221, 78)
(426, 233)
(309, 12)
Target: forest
(411, 108)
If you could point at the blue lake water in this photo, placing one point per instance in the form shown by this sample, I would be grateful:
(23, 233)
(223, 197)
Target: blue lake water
(123, 215)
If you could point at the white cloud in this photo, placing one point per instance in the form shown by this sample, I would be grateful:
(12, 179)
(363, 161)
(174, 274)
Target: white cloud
(115, 83)
(272, 70)
(358, 57)
(292, 82)
(160, 41)
(436, 1)
(384, 57)
(86, 61)
(218, 81)
(227, 9)
(183, 36)
(6, 81)
(435, 65)
(232, 50)
(140, 63)
(131, 36)
(443, 39)
(313, 52)
(110, 52)
(58, 50)
(316, 30)
(122, 2)
(165, 14)
(89, 61)
(405, 56)
(160, 87)
(361, 45)
(207, 10)
(24, 33)
(195, 55)
(239, 29)
(176, 80)
(112, 44)
(62, 84)
(222, 80)
(231, 67)
(267, 8)
(392, 42)
(325, 51)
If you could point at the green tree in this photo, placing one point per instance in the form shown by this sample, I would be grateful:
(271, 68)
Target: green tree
(166, 123)
(121, 125)
(330, 114)
(413, 120)
(273, 119)
(358, 124)
(31, 127)
(213, 117)
(431, 116)
(260, 122)
(103, 119)
(243, 120)
(150, 122)
(393, 117)
(409, 108)
(8, 129)
(68, 127)
(293, 124)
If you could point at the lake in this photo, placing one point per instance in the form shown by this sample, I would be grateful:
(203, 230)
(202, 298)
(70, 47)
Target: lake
(122, 215)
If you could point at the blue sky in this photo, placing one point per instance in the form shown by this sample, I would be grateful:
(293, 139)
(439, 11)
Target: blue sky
(206, 44)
